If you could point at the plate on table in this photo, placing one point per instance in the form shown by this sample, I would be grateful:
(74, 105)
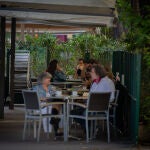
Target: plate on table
(85, 94)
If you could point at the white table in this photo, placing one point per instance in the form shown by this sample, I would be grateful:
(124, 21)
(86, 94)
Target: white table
(67, 83)
(66, 99)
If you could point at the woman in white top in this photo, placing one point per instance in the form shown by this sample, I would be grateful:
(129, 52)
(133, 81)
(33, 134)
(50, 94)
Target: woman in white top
(101, 82)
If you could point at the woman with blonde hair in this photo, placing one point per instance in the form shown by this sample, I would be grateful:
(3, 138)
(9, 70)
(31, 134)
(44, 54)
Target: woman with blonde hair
(44, 90)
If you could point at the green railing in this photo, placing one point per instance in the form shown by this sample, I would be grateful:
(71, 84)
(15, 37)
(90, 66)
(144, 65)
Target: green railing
(129, 65)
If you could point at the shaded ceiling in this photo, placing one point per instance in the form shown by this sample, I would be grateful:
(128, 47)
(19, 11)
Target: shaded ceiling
(83, 13)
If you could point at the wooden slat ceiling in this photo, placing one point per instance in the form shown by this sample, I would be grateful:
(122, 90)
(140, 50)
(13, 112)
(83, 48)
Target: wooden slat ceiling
(87, 13)
(41, 28)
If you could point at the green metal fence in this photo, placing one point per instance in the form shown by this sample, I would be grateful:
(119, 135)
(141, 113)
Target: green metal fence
(105, 57)
(129, 65)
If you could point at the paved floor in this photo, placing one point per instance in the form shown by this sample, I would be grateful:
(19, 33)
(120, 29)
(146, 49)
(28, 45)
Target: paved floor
(11, 133)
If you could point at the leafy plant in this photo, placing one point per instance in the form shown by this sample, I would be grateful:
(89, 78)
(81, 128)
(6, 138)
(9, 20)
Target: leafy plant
(49, 42)
(137, 37)
(136, 27)
(37, 52)
(45, 47)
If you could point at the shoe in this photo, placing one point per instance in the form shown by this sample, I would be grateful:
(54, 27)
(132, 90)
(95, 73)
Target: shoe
(59, 134)
(54, 120)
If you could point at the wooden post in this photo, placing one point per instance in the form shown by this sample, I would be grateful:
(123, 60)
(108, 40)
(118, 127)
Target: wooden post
(2, 65)
(22, 32)
(13, 39)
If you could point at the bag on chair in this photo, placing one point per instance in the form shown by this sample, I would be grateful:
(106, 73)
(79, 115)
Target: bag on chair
(76, 130)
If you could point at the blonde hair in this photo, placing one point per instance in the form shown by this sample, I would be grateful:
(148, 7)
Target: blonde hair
(44, 75)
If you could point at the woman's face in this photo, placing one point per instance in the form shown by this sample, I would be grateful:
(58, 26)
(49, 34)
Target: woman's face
(93, 74)
(81, 62)
(46, 81)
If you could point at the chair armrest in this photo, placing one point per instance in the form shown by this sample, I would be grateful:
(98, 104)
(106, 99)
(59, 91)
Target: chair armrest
(52, 103)
(78, 104)
(113, 104)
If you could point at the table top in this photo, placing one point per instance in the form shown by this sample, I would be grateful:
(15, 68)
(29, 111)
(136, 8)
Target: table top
(67, 97)
(66, 83)
(78, 97)
(74, 80)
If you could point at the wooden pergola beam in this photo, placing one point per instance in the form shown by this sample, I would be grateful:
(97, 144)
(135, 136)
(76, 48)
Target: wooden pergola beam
(58, 12)
(86, 3)
(2, 65)
(52, 18)
(72, 10)
(13, 39)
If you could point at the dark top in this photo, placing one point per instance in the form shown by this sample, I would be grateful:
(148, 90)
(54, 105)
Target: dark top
(59, 76)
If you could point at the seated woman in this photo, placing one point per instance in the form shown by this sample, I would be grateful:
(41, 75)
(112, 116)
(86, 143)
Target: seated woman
(109, 73)
(88, 66)
(44, 90)
(87, 79)
(80, 69)
(101, 83)
(56, 71)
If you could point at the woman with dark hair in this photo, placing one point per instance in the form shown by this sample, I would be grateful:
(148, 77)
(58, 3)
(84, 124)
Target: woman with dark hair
(109, 73)
(55, 70)
(80, 69)
(101, 82)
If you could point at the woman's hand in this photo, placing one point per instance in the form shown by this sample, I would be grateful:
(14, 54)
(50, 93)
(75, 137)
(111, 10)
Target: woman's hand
(42, 99)
(59, 68)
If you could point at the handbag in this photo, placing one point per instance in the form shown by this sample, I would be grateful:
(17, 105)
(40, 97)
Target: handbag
(76, 130)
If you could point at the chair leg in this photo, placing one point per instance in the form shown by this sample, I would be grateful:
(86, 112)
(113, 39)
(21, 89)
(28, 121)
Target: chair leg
(108, 130)
(87, 130)
(103, 122)
(48, 122)
(95, 128)
(29, 127)
(91, 130)
(68, 122)
(24, 129)
(65, 122)
(65, 119)
(35, 129)
(67, 128)
(114, 121)
(39, 129)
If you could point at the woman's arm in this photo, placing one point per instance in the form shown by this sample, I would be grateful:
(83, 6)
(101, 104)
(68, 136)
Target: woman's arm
(60, 76)
(40, 92)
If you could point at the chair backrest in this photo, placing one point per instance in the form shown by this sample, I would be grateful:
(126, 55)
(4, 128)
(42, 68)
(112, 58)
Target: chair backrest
(98, 101)
(31, 100)
(116, 96)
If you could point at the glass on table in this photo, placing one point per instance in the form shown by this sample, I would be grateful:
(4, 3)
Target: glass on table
(58, 93)
(84, 87)
(70, 77)
(53, 88)
(74, 93)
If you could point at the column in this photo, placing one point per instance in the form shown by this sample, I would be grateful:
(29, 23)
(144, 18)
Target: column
(2, 65)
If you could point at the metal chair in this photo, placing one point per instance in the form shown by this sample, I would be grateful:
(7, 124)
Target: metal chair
(33, 112)
(113, 106)
(97, 108)
(112, 110)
